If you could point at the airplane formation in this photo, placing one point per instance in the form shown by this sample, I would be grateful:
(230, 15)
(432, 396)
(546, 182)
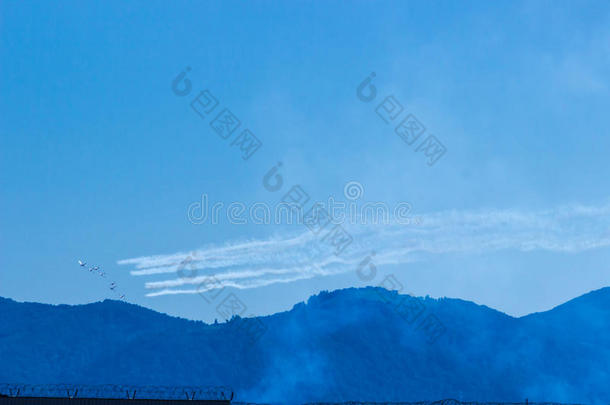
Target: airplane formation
(101, 273)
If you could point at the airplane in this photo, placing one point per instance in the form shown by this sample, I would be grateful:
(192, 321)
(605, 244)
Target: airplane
(112, 286)
(82, 264)
(122, 296)
(94, 268)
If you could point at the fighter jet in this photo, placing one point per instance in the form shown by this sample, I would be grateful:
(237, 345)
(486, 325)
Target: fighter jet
(94, 268)
(82, 264)
(112, 286)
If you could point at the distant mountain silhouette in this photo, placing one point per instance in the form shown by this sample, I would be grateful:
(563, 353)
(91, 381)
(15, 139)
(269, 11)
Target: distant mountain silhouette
(352, 344)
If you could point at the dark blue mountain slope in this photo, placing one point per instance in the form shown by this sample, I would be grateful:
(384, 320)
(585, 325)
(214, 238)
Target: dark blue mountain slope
(352, 344)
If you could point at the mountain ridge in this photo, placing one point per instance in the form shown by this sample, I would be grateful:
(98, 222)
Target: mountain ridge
(605, 290)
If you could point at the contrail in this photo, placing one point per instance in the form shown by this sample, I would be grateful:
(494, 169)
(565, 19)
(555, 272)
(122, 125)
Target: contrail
(261, 262)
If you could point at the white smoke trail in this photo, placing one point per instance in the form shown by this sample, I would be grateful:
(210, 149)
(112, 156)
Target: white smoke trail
(258, 263)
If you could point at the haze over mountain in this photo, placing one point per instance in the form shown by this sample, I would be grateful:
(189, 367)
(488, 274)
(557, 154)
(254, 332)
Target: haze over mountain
(351, 344)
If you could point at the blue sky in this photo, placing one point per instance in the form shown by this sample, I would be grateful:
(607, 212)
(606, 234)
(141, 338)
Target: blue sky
(99, 159)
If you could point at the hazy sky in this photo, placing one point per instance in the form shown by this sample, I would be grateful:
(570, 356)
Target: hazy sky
(100, 159)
